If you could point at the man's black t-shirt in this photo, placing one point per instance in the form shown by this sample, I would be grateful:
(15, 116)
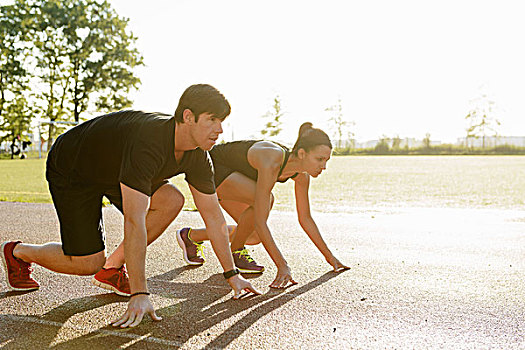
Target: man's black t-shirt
(132, 147)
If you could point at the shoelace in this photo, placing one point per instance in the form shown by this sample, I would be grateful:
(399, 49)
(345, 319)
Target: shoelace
(244, 253)
(122, 275)
(198, 245)
(200, 248)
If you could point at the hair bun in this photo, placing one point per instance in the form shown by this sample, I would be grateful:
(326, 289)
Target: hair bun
(304, 127)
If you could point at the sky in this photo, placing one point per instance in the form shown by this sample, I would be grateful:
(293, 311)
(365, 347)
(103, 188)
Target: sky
(403, 68)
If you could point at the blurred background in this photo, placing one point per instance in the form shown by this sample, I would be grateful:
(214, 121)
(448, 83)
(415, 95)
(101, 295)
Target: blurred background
(380, 77)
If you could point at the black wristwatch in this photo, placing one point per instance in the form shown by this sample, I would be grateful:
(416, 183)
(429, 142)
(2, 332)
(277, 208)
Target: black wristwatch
(231, 273)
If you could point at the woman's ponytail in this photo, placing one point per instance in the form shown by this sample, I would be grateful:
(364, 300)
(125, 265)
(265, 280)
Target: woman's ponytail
(310, 137)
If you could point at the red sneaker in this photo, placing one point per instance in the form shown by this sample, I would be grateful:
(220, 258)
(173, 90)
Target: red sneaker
(17, 272)
(113, 279)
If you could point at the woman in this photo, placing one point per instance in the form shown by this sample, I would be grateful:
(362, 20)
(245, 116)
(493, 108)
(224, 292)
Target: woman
(245, 173)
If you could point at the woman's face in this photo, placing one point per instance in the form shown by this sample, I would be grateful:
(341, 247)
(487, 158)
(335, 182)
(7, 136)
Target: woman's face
(314, 161)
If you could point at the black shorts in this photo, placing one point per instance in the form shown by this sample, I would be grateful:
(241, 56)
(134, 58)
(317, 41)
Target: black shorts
(79, 210)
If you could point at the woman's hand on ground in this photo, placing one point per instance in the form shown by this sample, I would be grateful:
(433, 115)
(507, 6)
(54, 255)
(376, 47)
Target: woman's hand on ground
(337, 265)
(284, 275)
(240, 285)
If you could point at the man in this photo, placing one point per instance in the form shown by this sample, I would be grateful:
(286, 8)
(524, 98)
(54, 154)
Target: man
(128, 157)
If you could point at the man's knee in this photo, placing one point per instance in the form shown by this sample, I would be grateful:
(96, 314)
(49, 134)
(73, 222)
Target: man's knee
(167, 198)
(89, 265)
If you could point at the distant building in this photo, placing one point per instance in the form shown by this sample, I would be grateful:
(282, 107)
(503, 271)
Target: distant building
(410, 142)
(492, 141)
(366, 144)
(407, 142)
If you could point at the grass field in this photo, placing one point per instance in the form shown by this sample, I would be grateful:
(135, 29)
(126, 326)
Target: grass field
(353, 181)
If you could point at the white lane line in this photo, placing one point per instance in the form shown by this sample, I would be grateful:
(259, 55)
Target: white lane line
(134, 337)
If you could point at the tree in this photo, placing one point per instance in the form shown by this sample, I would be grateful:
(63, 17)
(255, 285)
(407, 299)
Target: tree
(101, 56)
(15, 113)
(51, 64)
(426, 141)
(13, 54)
(15, 122)
(273, 126)
(341, 125)
(83, 57)
(481, 119)
(396, 143)
(383, 146)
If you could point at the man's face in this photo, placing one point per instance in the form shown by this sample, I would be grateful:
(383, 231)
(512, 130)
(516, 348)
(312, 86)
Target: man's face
(206, 131)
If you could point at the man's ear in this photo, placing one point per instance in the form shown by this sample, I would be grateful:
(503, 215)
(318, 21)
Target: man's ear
(301, 153)
(187, 116)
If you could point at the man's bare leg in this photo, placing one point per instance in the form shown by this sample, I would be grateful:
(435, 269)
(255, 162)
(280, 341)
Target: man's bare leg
(166, 203)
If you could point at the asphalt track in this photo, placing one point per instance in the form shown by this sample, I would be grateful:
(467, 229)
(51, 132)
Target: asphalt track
(419, 278)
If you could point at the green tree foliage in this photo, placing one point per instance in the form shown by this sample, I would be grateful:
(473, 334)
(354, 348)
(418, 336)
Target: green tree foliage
(273, 127)
(396, 143)
(383, 146)
(82, 57)
(15, 113)
(15, 122)
(50, 54)
(101, 56)
(13, 53)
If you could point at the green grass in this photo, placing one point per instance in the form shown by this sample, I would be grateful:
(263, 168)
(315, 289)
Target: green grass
(23, 180)
(352, 181)
(425, 181)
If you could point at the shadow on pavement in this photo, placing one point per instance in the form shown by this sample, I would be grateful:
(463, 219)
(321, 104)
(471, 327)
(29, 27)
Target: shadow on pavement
(197, 308)
(274, 300)
(42, 330)
(14, 293)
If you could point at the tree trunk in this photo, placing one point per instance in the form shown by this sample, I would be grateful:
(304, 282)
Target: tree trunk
(13, 146)
(50, 137)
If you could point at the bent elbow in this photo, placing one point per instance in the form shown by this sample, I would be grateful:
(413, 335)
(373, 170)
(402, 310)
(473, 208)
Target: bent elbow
(304, 220)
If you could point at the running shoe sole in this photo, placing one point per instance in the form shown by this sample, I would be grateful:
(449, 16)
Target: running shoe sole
(109, 287)
(184, 252)
(4, 262)
(249, 271)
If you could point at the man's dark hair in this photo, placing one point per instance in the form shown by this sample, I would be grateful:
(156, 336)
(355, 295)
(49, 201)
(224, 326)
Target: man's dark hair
(202, 98)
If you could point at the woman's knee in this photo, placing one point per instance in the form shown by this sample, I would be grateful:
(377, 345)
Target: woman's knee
(253, 239)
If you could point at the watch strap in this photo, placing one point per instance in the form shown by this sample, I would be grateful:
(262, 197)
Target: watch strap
(231, 273)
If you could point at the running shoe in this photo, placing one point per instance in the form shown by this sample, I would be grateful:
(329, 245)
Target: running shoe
(17, 271)
(245, 263)
(193, 252)
(113, 279)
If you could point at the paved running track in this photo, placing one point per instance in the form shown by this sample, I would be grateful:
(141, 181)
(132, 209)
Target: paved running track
(420, 278)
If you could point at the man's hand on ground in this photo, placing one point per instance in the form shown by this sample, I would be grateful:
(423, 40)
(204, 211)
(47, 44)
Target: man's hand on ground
(137, 307)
